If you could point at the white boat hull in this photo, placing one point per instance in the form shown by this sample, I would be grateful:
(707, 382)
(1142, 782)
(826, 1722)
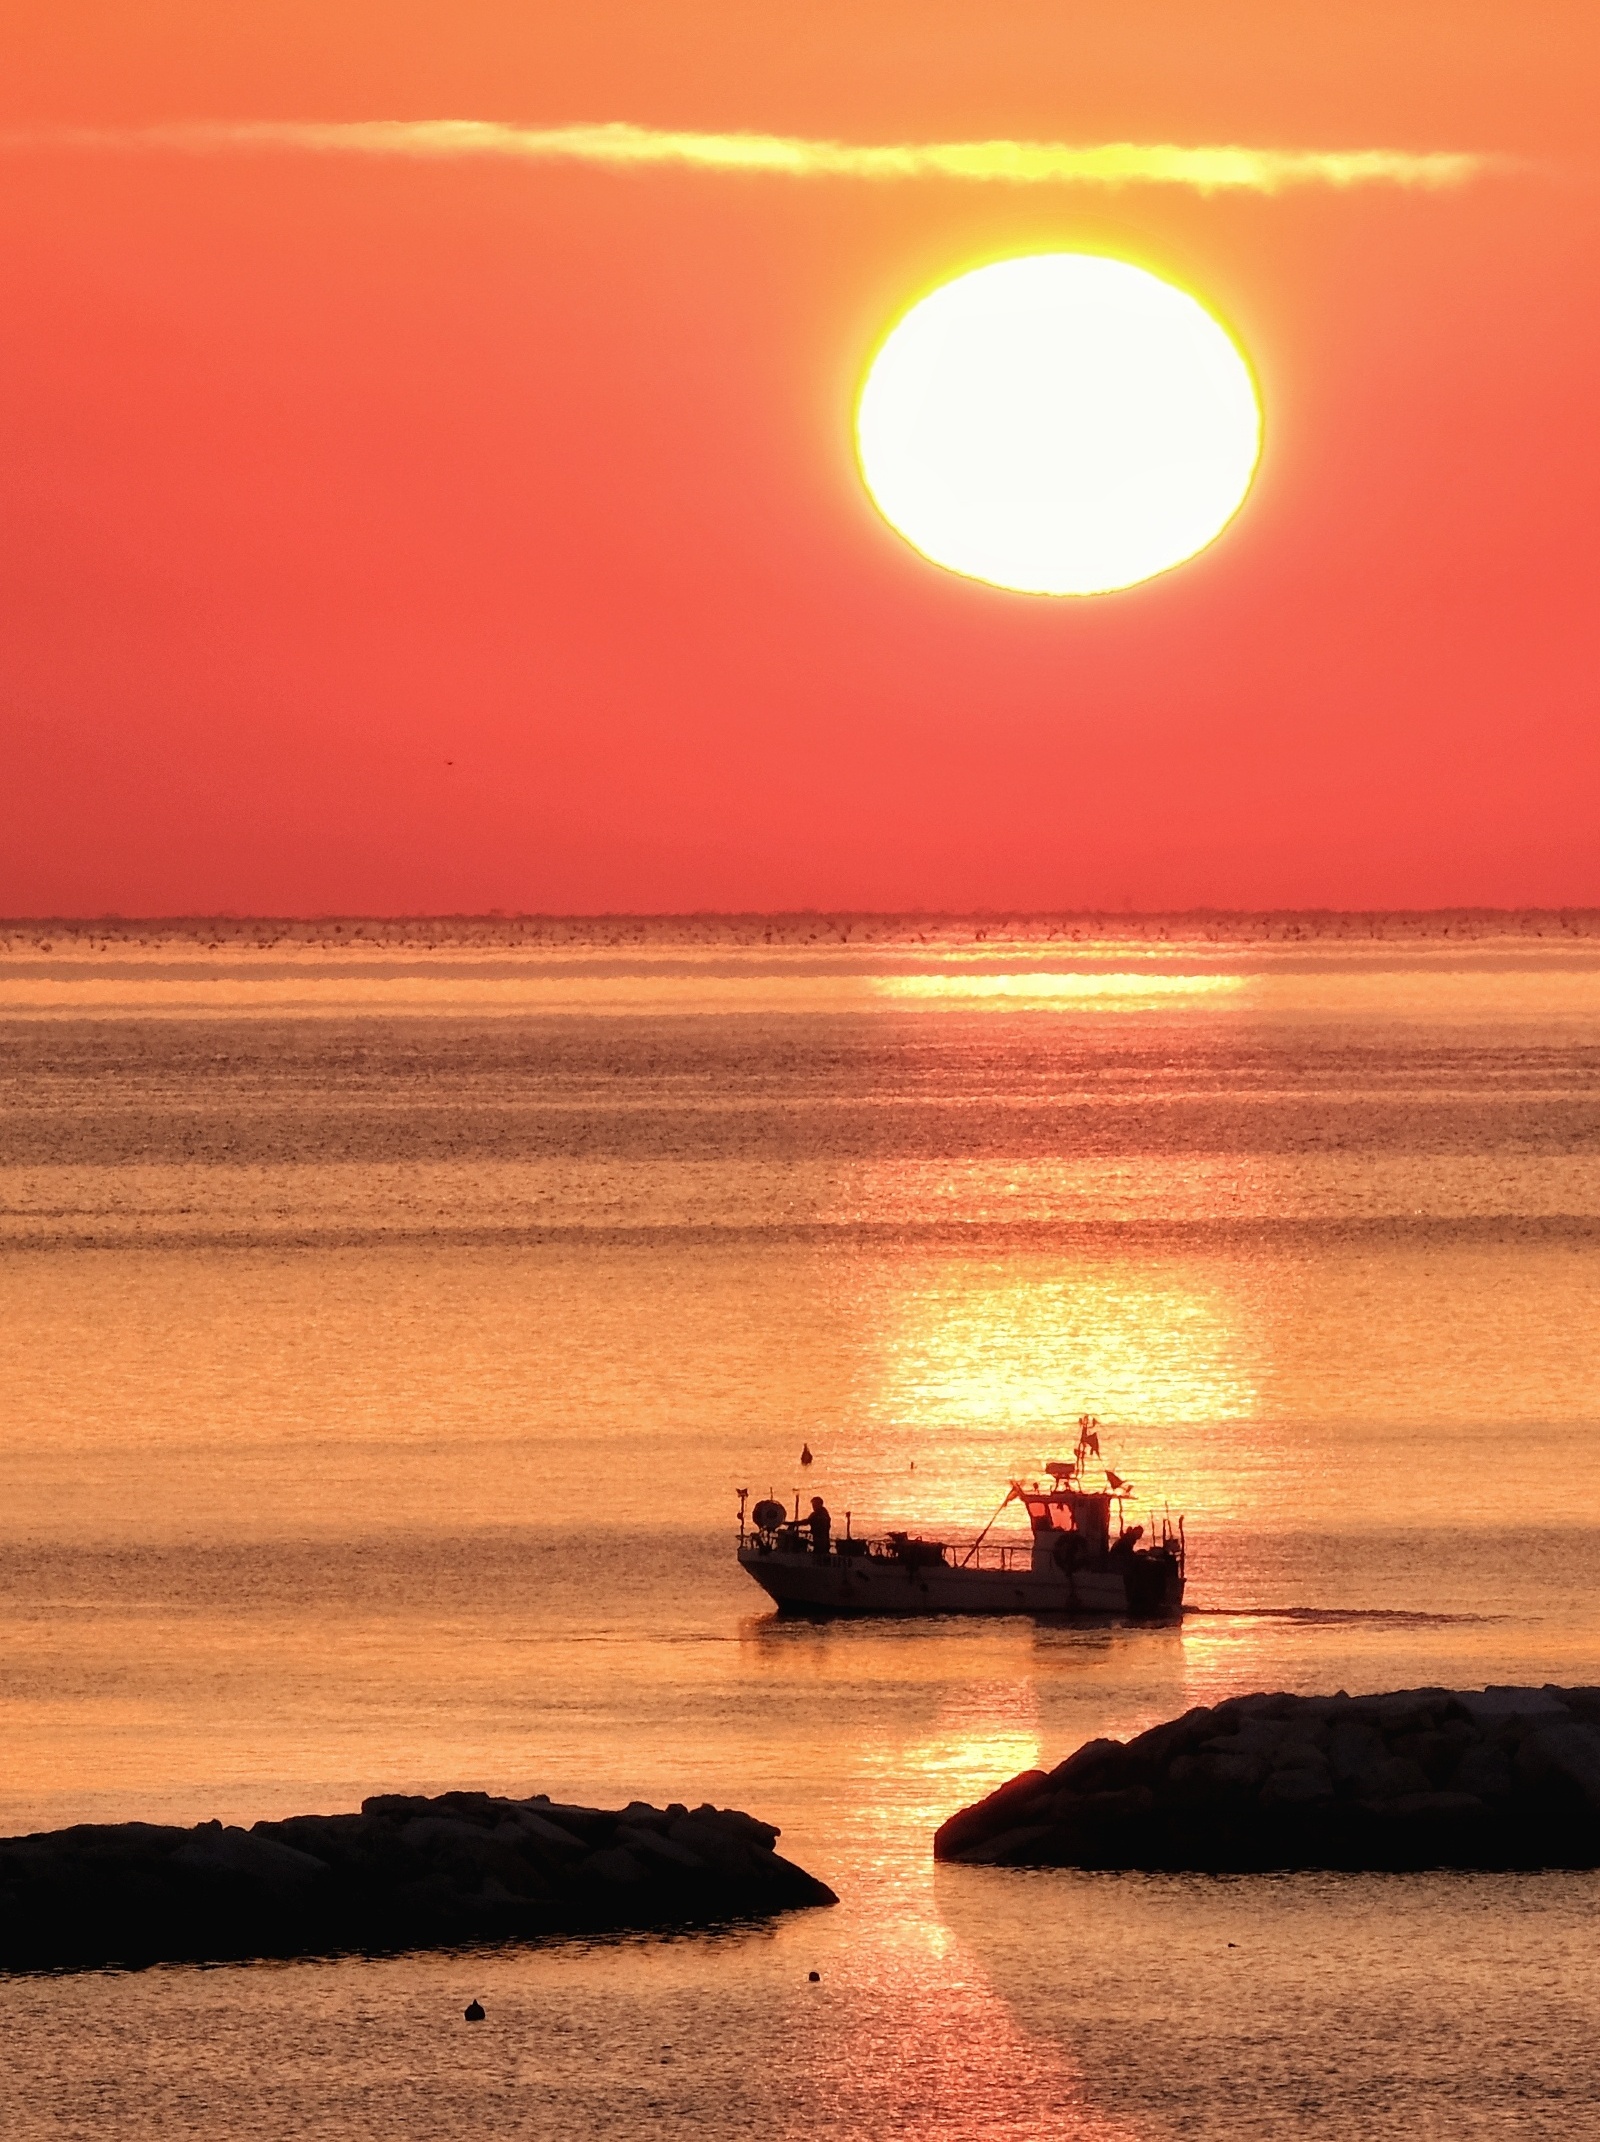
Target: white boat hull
(802, 1583)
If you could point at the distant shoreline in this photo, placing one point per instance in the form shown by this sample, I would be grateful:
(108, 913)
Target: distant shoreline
(995, 931)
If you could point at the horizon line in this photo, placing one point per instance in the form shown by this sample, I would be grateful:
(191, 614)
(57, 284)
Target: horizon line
(243, 918)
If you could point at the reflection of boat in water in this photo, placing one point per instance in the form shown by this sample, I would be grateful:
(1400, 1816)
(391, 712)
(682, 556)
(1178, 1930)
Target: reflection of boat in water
(1083, 1558)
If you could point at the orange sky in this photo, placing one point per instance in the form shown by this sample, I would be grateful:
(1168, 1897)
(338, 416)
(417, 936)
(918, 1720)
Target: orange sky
(387, 535)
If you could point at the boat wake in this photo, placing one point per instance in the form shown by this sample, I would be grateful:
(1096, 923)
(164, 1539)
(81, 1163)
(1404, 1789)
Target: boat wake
(1333, 1617)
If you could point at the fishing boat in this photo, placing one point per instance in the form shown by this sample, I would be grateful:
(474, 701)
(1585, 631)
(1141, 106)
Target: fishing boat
(1083, 1557)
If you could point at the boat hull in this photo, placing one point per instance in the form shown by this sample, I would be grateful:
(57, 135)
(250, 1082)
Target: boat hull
(1142, 1588)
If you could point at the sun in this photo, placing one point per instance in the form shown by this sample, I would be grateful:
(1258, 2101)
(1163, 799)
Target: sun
(1062, 424)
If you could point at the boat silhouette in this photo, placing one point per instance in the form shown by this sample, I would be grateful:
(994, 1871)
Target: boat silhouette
(1084, 1558)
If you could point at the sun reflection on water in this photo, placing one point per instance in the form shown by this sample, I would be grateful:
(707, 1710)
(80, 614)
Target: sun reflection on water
(980, 1370)
(1130, 989)
(984, 1734)
(1034, 1353)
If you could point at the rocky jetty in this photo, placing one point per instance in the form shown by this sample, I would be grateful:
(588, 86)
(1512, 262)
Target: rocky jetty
(1423, 1777)
(404, 1873)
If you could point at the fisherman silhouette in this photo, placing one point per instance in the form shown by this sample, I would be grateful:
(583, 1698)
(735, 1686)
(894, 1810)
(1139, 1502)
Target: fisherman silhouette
(821, 1523)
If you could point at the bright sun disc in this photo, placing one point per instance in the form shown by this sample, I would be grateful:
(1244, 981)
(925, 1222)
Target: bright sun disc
(1062, 424)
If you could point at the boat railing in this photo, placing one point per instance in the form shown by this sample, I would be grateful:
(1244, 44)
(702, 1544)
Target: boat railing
(981, 1554)
(995, 1554)
(951, 1554)
(986, 1554)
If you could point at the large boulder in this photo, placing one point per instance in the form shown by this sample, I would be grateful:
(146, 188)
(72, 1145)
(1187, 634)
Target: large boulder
(406, 1872)
(1422, 1777)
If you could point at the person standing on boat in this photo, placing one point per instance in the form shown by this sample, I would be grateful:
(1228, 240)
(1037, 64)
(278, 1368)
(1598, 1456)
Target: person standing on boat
(821, 1527)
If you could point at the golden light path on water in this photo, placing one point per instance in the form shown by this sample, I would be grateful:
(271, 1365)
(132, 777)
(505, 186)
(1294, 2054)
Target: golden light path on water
(994, 1366)
(383, 1349)
(33, 990)
(1489, 986)
(1063, 989)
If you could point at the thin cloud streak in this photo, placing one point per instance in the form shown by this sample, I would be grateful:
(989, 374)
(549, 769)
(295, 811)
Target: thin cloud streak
(619, 146)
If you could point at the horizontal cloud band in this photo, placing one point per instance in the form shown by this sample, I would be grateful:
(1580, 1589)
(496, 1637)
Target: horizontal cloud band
(618, 145)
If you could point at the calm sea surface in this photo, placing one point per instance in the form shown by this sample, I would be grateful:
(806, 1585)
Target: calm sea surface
(387, 1327)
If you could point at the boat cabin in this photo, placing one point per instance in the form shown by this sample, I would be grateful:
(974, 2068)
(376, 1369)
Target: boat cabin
(1074, 1507)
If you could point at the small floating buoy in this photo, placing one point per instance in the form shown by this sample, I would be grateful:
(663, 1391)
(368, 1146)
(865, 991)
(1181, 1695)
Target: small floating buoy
(815, 1977)
(473, 2011)
(805, 1453)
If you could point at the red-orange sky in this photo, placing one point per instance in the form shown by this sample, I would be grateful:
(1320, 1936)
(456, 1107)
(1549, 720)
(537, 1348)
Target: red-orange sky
(385, 536)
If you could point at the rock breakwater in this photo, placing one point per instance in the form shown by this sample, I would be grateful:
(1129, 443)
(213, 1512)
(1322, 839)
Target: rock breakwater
(1422, 1777)
(404, 1873)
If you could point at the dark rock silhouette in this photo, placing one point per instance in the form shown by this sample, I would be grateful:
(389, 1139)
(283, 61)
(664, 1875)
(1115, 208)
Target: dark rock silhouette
(473, 2012)
(1423, 1777)
(404, 1873)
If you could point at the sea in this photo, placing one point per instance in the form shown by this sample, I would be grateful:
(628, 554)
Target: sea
(391, 1315)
